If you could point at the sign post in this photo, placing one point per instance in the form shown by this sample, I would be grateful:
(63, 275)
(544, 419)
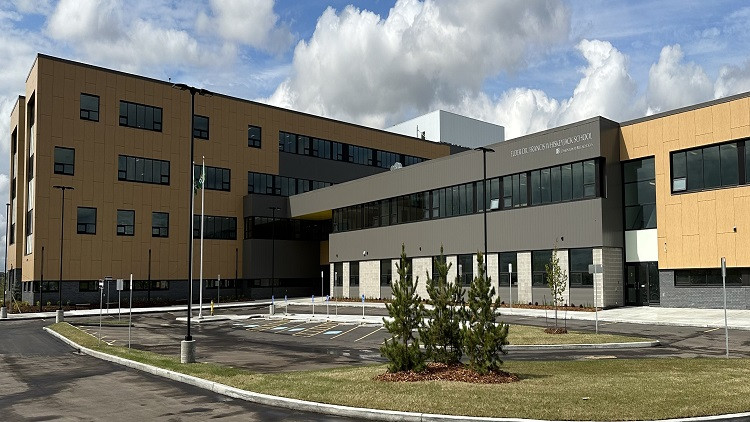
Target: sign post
(313, 304)
(119, 297)
(328, 300)
(593, 270)
(101, 306)
(286, 305)
(322, 289)
(363, 306)
(724, 285)
(510, 285)
(130, 320)
(218, 290)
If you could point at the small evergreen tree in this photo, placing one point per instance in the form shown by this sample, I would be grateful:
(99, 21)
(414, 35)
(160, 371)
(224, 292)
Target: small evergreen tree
(555, 280)
(443, 336)
(483, 338)
(406, 310)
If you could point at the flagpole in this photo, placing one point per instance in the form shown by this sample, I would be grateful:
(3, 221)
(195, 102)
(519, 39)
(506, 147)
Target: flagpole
(203, 191)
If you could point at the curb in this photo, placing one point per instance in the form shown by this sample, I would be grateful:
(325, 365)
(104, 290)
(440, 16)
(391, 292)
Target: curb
(589, 346)
(331, 409)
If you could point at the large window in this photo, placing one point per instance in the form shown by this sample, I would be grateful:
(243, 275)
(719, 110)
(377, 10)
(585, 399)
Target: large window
(159, 224)
(125, 222)
(386, 272)
(269, 184)
(578, 268)
(286, 228)
(253, 136)
(466, 269)
(86, 220)
(65, 160)
(217, 178)
(709, 167)
(144, 170)
(338, 274)
(640, 194)
(215, 227)
(338, 151)
(564, 183)
(354, 274)
(140, 116)
(711, 277)
(539, 260)
(200, 127)
(505, 259)
(89, 107)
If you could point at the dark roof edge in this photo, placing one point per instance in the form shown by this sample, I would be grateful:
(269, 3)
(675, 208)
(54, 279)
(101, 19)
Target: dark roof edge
(217, 94)
(687, 108)
(18, 101)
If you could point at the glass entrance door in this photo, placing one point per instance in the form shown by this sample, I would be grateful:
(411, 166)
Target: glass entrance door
(642, 284)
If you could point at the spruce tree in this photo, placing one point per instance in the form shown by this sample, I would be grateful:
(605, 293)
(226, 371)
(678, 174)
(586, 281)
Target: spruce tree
(443, 337)
(483, 338)
(406, 312)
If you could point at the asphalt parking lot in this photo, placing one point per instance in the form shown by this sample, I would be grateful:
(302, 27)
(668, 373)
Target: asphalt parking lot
(246, 337)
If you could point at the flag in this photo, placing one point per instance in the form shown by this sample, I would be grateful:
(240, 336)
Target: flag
(198, 183)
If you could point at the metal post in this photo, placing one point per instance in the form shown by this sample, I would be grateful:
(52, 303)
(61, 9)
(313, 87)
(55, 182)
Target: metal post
(724, 285)
(148, 298)
(130, 319)
(62, 236)
(41, 282)
(322, 289)
(5, 282)
(313, 305)
(218, 290)
(484, 150)
(273, 245)
(596, 310)
(510, 285)
(108, 296)
(101, 293)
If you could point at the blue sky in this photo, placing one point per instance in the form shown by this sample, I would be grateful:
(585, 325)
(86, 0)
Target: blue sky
(524, 64)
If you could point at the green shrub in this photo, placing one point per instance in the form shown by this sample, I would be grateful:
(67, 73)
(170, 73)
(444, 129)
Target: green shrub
(443, 337)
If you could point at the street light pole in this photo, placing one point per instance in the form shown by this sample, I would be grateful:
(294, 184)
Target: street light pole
(60, 312)
(187, 347)
(484, 150)
(5, 282)
(273, 245)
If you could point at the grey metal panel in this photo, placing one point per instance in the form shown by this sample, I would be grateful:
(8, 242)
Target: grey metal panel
(468, 132)
(259, 205)
(314, 168)
(541, 295)
(612, 205)
(386, 292)
(582, 296)
(294, 259)
(354, 292)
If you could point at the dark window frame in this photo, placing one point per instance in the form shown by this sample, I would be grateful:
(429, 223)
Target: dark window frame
(159, 231)
(682, 157)
(125, 229)
(130, 174)
(252, 141)
(63, 167)
(89, 113)
(84, 228)
(132, 107)
(200, 132)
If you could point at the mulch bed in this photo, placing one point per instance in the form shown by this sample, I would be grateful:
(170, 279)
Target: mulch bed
(553, 330)
(443, 372)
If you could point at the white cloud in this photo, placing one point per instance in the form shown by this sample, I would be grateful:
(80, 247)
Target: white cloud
(39, 7)
(674, 84)
(732, 80)
(250, 22)
(422, 53)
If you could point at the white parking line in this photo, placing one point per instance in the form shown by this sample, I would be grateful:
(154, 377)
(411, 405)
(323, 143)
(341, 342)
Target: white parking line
(348, 331)
(713, 329)
(367, 335)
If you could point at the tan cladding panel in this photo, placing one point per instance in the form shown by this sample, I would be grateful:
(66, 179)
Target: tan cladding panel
(695, 229)
(97, 147)
(17, 124)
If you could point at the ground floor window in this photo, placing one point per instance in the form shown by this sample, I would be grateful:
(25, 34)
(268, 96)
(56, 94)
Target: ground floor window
(578, 267)
(539, 261)
(386, 272)
(338, 274)
(354, 274)
(466, 269)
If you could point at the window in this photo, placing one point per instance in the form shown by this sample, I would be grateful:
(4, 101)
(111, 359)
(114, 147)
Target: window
(354, 274)
(89, 107)
(386, 272)
(506, 258)
(578, 267)
(338, 274)
(288, 142)
(65, 159)
(215, 227)
(466, 269)
(539, 260)
(253, 136)
(200, 127)
(640, 194)
(269, 184)
(710, 277)
(159, 224)
(88, 286)
(86, 220)
(708, 167)
(144, 170)
(140, 116)
(217, 178)
(125, 222)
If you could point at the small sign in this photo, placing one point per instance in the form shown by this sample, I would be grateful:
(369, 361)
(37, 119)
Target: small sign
(363, 298)
(510, 267)
(313, 298)
(723, 267)
(101, 284)
(595, 268)
(120, 284)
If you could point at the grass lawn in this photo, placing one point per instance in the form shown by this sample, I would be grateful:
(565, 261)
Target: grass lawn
(577, 390)
(524, 334)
